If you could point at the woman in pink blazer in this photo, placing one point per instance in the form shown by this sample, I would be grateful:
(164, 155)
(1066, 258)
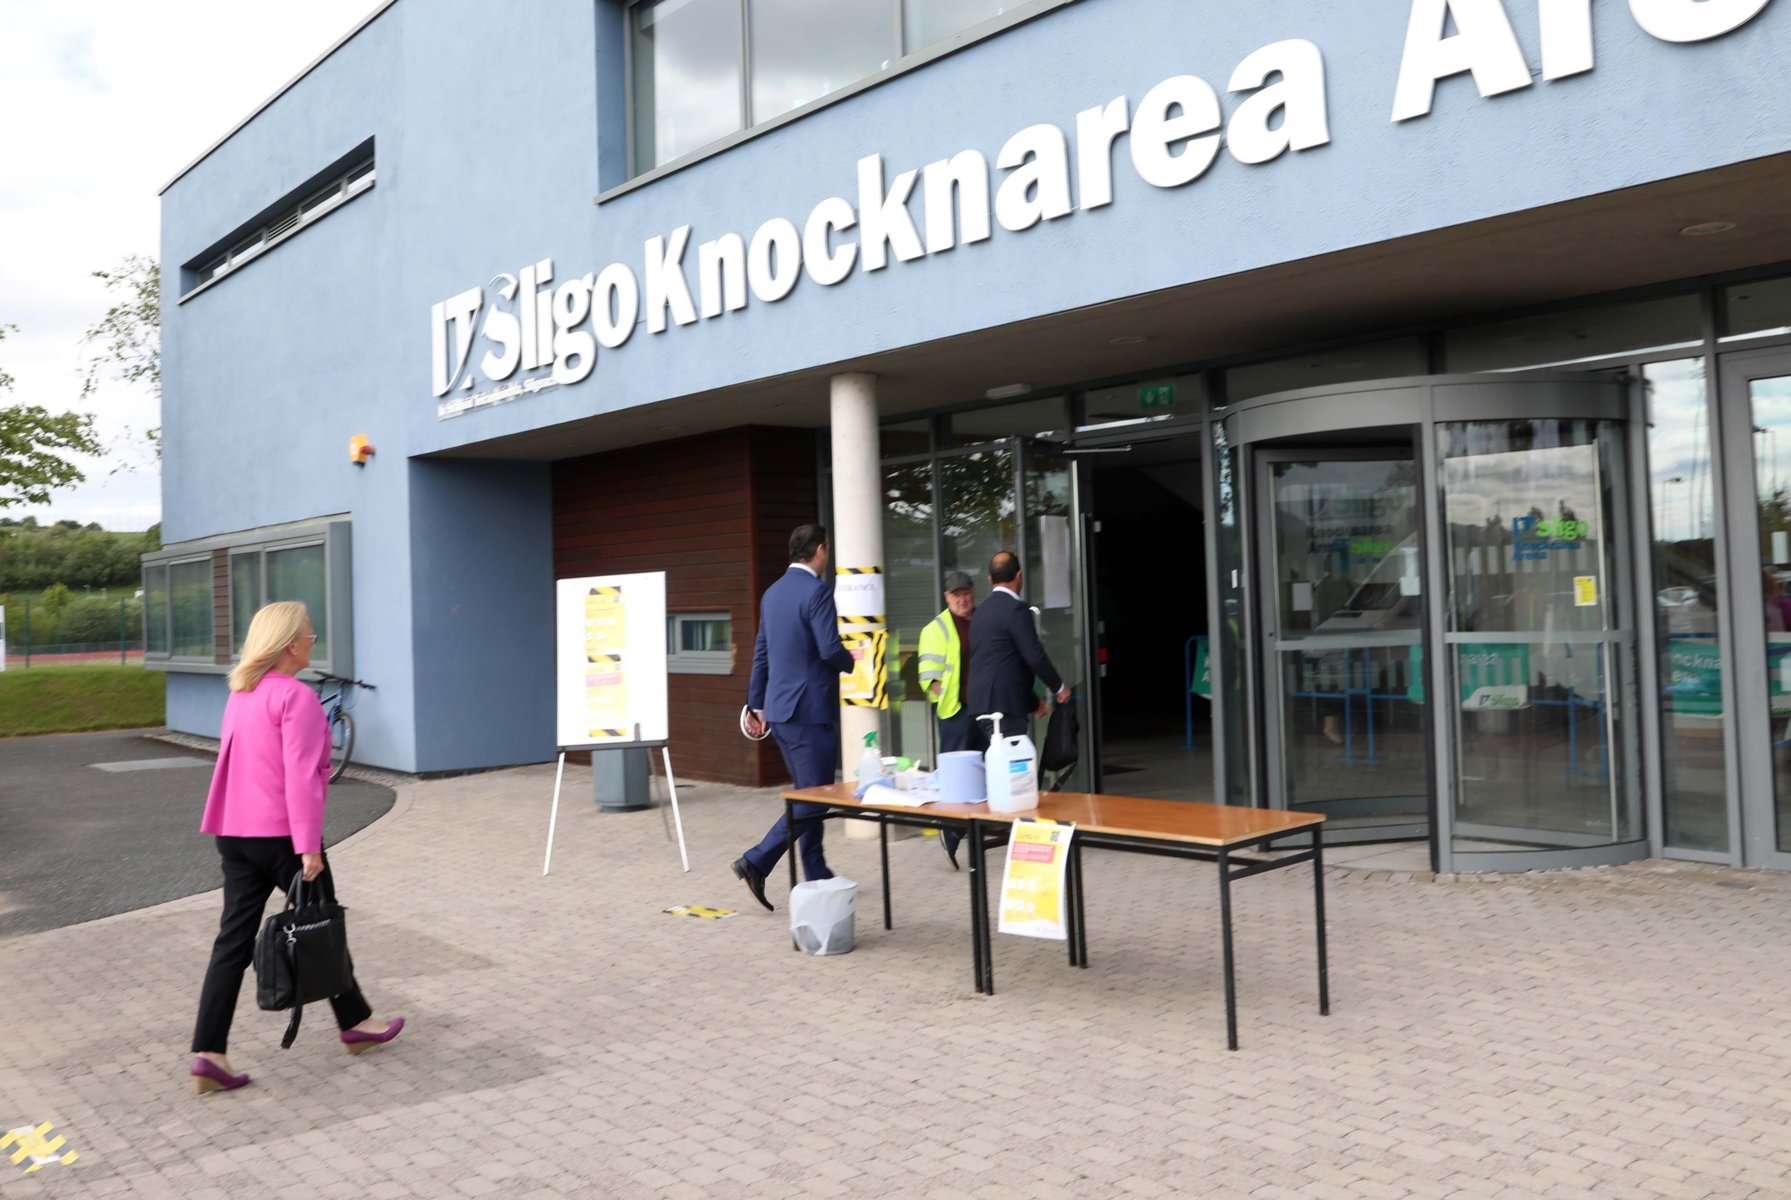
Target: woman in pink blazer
(266, 811)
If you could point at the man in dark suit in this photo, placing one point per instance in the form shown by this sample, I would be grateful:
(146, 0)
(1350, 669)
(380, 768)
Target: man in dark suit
(1006, 655)
(795, 690)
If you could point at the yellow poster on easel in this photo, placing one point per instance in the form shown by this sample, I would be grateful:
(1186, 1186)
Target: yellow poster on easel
(606, 683)
(1032, 886)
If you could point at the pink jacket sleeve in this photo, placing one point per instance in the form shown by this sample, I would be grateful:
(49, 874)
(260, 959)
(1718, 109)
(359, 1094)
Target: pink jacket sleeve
(305, 743)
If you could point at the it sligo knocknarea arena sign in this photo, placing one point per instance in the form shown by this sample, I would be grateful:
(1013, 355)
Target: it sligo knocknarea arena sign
(550, 330)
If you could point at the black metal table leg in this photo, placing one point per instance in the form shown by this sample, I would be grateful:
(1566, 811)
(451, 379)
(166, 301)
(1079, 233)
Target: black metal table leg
(1318, 909)
(980, 887)
(790, 849)
(790, 829)
(1231, 993)
(1081, 908)
(883, 833)
(976, 913)
(1070, 915)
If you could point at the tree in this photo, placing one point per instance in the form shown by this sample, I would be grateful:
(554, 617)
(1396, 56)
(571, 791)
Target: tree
(56, 598)
(129, 336)
(32, 443)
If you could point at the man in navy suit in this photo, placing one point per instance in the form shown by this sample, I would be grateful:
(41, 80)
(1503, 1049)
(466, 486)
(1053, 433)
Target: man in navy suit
(1006, 655)
(795, 689)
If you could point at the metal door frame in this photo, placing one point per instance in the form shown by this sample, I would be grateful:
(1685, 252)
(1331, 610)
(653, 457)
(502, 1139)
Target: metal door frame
(1426, 402)
(1754, 821)
(1268, 616)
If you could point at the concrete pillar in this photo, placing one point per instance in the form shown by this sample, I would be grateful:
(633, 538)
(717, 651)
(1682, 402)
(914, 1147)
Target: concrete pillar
(857, 536)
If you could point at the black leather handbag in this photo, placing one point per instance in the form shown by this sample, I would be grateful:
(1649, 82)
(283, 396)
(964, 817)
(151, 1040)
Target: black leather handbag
(301, 955)
(1062, 738)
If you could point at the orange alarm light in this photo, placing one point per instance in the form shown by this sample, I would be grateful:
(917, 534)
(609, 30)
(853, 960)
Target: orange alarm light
(359, 450)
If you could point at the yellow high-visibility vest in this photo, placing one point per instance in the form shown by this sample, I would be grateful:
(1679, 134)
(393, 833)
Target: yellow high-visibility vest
(941, 661)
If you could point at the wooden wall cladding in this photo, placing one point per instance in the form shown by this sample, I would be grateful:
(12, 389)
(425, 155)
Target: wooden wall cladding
(714, 513)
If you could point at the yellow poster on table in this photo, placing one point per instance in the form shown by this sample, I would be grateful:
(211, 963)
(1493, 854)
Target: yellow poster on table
(606, 683)
(1032, 886)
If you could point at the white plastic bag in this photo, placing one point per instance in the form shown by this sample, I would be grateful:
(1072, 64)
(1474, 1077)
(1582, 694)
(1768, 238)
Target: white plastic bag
(823, 915)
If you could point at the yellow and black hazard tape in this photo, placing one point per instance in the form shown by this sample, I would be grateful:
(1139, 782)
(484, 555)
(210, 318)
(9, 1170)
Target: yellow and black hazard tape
(606, 591)
(873, 619)
(610, 733)
(603, 660)
(858, 570)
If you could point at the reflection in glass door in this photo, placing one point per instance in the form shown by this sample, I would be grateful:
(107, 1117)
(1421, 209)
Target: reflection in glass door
(1343, 616)
(1765, 379)
(1051, 550)
(1539, 637)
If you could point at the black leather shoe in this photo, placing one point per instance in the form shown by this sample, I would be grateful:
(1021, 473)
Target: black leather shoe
(951, 851)
(755, 882)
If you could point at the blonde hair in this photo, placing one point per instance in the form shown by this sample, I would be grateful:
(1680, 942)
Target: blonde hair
(274, 628)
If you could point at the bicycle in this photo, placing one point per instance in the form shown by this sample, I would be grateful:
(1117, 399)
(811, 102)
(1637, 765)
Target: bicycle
(336, 708)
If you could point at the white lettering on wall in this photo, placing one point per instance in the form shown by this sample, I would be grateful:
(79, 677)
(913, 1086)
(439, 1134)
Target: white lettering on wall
(965, 176)
(1096, 130)
(1694, 20)
(774, 261)
(1566, 37)
(574, 349)
(1483, 43)
(616, 300)
(503, 331)
(826, 264)
(1038, 185)
(667, 289)
(721, 267)
(460, 310)
(1168, 146)
(884, 223)
(1173, 135)
(1299, 97)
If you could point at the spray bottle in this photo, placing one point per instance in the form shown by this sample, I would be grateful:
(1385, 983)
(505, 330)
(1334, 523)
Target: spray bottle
(870, 762)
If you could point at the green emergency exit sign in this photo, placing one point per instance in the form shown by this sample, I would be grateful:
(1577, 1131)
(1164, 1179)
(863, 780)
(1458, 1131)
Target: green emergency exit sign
(1161, 395)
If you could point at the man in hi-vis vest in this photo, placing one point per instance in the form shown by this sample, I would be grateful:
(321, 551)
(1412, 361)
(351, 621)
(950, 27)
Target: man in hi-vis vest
(943, 652)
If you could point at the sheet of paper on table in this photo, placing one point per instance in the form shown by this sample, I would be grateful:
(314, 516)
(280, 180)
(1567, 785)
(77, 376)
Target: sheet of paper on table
(882, 793)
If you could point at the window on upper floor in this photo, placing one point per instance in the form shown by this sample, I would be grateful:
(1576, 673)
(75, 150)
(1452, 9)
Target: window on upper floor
(704, 69)
(287, 216)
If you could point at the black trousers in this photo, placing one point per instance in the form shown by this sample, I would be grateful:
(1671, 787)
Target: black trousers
(253, 868)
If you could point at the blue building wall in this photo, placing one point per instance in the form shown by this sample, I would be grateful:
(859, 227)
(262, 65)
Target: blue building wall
(496, 125)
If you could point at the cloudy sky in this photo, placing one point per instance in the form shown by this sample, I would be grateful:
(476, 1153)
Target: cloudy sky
(104, 100)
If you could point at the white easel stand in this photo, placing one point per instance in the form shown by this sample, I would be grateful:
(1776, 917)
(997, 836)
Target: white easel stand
(671, 782)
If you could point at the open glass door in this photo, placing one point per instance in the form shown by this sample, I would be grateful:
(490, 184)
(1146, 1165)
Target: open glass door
(1051, 551)
(1342, 614)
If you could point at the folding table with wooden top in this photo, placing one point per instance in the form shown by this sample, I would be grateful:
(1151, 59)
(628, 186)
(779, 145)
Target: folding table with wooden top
(1170, 828)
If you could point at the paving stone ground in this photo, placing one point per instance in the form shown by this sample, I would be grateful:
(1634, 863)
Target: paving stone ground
(1603, 1033)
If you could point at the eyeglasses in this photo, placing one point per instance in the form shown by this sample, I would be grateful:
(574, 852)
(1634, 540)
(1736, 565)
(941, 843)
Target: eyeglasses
(307, 637)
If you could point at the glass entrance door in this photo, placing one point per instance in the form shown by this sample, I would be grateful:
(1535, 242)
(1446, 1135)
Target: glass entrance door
(1343, 617)
(1757, 439)
(1540, 637)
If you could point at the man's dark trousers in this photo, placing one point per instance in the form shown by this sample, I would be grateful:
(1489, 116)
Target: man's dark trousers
(810, 753)
(961, 731)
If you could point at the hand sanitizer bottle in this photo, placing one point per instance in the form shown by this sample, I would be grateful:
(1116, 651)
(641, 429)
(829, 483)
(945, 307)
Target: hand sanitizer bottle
(870, 762)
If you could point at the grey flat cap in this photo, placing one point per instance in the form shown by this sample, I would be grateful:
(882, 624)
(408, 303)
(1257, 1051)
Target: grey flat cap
(955, 580)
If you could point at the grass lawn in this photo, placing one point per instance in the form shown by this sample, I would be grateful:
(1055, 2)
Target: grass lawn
(73, 699)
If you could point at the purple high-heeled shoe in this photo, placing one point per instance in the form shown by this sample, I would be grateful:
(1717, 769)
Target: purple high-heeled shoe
(357, 1041)
(208, 1076)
